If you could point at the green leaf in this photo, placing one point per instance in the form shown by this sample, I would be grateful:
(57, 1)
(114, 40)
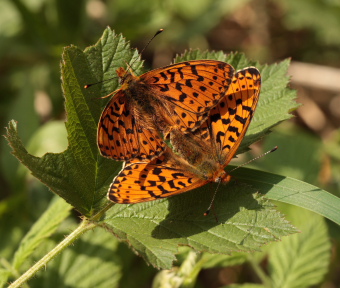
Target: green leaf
(4, 275)
(299, 154)
(292, 191)
(13, 223)
(42, 229)
(214, 261)
(245, 221)
(93, 261)
(301, 260)
(244, 285)
(325, 27)
(22, 83)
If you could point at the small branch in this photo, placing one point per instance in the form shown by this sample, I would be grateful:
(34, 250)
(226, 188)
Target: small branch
(84, 226)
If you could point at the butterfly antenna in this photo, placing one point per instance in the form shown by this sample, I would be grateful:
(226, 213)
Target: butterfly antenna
(89, 85)
(258, 157)
(206, 213)
(130, 66)
(146, 46)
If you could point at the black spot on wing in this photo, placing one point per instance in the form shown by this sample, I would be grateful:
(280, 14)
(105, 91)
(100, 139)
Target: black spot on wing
(165, 88)
(234, 129)
(247, 108)
(241, 119)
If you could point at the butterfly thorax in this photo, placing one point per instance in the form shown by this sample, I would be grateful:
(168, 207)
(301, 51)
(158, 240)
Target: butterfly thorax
(142, 98)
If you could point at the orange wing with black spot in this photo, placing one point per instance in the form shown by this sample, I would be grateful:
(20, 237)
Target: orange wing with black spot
(192, 88)
(121, 137)
(229, 120)
(145, 181)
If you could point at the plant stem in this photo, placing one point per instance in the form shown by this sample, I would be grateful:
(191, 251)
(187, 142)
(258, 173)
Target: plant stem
(84, 226)
(100, 214)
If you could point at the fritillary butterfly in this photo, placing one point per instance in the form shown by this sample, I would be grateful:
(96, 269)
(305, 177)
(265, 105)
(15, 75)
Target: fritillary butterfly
(178, 97)
(203, 154)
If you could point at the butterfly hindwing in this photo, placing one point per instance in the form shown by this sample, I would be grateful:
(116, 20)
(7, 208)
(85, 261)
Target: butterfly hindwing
(229, 120)
(145, 181)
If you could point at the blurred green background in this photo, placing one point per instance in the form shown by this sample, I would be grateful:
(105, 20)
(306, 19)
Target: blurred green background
(34, 32)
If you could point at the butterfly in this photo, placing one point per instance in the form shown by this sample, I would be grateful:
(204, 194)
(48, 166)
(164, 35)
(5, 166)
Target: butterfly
(146, 108)
(200, 156)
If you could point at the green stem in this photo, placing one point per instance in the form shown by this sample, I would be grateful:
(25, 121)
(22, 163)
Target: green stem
(264, 278)
(100, 214)
(84, 226)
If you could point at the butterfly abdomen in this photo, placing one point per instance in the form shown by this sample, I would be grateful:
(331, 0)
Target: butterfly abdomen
(189, 146)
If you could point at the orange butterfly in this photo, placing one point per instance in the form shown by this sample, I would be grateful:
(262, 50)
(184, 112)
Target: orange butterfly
(203, 154)
(178, 97)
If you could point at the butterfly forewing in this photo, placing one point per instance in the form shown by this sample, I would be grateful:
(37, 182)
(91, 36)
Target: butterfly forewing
(178, 96)
(192, 88)
(121, 138)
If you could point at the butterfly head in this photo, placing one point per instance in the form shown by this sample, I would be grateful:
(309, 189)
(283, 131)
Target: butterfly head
(222, 177)
(124, 75)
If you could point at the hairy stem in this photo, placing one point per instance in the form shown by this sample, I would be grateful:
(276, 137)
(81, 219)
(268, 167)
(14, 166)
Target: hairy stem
(84, 226)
